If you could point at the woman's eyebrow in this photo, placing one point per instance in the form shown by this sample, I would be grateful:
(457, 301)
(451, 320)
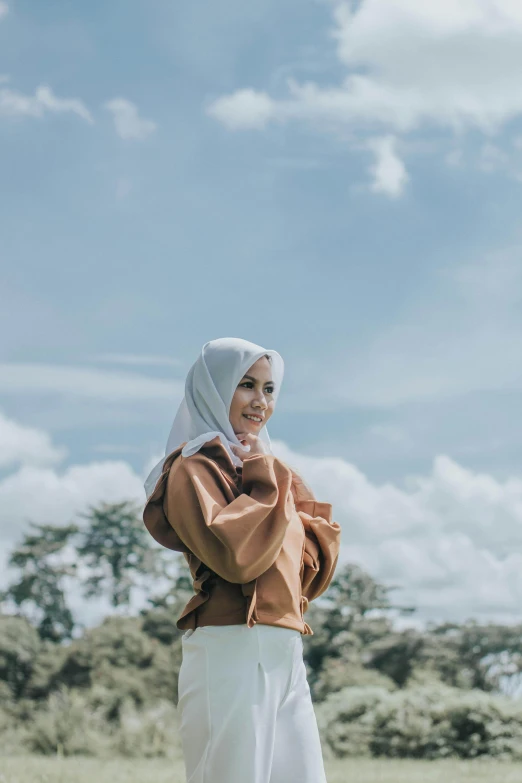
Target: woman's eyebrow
(250, 378)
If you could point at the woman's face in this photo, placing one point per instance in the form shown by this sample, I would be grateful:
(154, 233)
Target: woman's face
(254, 396)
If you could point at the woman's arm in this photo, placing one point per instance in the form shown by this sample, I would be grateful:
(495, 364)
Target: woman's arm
(322, 545)
(237, 537)
(323, 539)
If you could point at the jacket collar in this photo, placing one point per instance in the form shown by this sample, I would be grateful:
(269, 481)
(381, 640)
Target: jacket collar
(215, 450)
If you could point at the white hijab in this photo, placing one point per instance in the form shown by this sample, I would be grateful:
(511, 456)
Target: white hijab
(209, 388)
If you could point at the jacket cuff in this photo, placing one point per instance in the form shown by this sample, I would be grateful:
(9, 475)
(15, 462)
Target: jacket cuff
(259, 467)
(315, 509)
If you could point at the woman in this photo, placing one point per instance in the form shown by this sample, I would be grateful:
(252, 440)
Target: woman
(259, 547)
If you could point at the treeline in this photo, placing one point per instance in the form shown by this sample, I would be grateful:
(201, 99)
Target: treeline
(113, 689)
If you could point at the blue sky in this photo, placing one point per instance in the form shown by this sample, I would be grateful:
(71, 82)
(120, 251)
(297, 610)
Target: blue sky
(338, 181)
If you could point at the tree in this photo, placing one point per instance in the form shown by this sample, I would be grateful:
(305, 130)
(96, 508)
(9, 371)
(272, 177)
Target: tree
(40, 560)
(117, 549)
(160, 620)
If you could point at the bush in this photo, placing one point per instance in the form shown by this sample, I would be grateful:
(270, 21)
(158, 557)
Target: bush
(426, 722)
(73, 723)
(19, 646)
(346, 720)
(118, 642)
(434, 723)
(336, 674)
(147, 733)
(67, 726)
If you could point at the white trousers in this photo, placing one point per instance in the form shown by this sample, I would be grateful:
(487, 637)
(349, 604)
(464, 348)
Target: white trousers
(246, 714)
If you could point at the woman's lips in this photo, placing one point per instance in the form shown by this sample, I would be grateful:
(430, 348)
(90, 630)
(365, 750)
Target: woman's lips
(254, 421)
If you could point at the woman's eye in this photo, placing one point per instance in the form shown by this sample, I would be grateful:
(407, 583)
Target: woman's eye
(270, 389)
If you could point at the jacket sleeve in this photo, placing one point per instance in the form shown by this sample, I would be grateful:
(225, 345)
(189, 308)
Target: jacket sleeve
(322, 543)
(237, 537)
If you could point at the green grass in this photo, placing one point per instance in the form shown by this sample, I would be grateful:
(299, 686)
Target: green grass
(40, 769)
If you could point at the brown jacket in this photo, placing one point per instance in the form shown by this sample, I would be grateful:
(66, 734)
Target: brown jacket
(258, 544)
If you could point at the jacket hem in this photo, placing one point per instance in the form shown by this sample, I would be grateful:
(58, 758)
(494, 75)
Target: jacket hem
(261, 617)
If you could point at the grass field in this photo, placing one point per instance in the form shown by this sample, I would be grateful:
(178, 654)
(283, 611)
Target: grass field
(38, 769)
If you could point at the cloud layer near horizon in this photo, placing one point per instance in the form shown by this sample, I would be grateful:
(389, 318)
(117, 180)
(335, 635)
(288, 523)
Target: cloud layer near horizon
(451, 540)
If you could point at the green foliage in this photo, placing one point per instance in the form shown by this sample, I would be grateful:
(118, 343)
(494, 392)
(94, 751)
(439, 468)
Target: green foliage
(41, 576)
(464, 652)
(395, 654)
(159, 621)
(19, 647)
(426, 722)
(69, 724)
(148, 733)
(66, 725)
(112, 543)
(338, 674)
(121, 663)
(114, 689)
(346, 720)
(116, 547)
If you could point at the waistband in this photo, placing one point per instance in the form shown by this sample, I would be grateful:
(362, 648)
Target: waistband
(241, 629)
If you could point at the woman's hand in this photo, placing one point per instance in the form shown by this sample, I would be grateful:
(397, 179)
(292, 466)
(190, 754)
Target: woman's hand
(248, 439)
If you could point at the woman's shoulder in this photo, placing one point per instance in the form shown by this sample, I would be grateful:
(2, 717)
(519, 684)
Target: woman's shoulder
(210, 461)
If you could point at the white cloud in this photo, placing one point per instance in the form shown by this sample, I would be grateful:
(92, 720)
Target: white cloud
(452, 540)
(243, 110)
(408, 65)
(4, 9)
(388, 172)
(37, 492)
(16, 104)
(44, 495)
(127, 122)
(26, 444)
(85, 382)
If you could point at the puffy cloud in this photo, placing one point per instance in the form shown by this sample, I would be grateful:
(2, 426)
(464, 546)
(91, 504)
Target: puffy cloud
(388, 172)
(408, 65)
(16, 104)
(26, 444)
(452, 63)
(43, 494)
(127, 121)
(49, 495)
(243, 110)
(451, 540)
(46, 495)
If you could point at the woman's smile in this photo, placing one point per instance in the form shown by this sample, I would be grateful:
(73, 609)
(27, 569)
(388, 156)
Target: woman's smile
(257, 421)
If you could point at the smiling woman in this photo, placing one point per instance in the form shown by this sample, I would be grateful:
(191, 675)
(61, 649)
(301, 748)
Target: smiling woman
(259, 548)
(253, 402)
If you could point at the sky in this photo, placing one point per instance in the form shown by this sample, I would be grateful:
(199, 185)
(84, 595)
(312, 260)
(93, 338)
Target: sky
(338, 181)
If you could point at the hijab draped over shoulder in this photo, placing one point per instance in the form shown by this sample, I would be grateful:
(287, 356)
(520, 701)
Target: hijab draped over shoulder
(204, 410)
